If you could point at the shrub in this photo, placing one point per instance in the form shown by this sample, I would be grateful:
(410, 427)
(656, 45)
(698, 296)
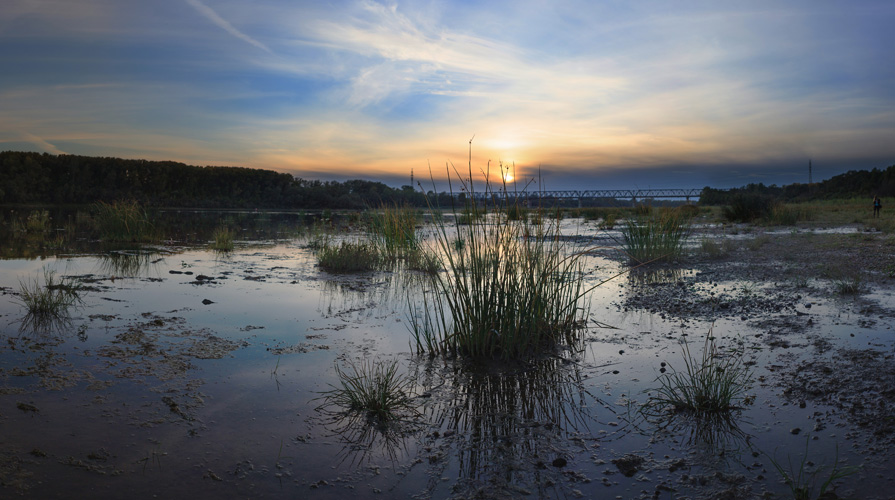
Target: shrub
(748, 207)
(222, 239)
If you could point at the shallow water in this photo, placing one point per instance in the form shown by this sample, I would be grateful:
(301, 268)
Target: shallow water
(149, 389)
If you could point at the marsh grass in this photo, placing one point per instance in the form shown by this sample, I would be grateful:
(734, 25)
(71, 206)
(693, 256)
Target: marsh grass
(349, 256)
(50, 298)
(509, 292)
(781, 214)
(659, 236)
(222, 239)
(714, 382)
(394, 230)
(807, 482)
(373, 388)
(123, 221)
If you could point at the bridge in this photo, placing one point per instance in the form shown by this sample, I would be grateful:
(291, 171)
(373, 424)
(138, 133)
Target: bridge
(593, 194)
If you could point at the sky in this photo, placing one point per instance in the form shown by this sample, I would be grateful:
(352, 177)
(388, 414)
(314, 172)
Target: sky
(566, 94)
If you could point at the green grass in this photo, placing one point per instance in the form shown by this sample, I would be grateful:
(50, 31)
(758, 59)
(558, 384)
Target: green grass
(394, 230)
(123, 221)
(509, 292)
(805, 479)
(222, 239)
(714, 382)
(656, 237)
(50, 298)
(349, 257)
(373, 388)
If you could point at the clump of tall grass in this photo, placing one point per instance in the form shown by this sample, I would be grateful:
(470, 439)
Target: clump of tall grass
(714, 382)
(803, 481)
(748, 207)
(656, 237)
(508, 292)
(222, 239)
(608, 221)
(394, 230)
(374, 388)
(50, 298)
(122, 221)
(349, 256)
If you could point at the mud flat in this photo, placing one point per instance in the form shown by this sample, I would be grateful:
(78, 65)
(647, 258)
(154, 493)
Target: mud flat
(196, 373)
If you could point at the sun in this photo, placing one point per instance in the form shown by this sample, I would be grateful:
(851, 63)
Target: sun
(507, 177)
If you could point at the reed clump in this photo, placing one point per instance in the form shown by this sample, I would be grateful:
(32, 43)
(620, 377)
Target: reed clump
(711, 383)
(50, 298)
(222, 239)
(349, 256)
(509, 292)
(374, 388)
(810, 482)
(659, 236)
(394, 230)
(123, 221)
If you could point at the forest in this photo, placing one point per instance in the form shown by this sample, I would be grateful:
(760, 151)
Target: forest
(42, 178)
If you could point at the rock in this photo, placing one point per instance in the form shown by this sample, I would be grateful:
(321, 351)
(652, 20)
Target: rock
(206, 301)
(560, 462)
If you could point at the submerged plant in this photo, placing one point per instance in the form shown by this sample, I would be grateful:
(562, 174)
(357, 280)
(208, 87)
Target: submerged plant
(51, 298)
(715, 382)
(374, 388)
(655, 237)
(802, 481)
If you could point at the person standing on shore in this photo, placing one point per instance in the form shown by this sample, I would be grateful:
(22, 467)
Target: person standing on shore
(877, 205)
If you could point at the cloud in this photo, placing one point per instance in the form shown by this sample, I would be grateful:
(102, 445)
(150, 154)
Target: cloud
(222, 23)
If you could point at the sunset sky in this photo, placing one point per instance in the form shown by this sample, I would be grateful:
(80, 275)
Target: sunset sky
(591, 94)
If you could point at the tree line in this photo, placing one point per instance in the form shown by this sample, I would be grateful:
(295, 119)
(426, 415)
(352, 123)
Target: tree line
(852, 184)
(42, 178)
(28, 177)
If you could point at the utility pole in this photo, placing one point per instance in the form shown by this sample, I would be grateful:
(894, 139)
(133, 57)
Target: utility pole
(809, 172)
(411, 176)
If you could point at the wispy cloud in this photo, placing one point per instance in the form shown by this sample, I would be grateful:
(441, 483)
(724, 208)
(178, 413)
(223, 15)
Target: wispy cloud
(222, 23)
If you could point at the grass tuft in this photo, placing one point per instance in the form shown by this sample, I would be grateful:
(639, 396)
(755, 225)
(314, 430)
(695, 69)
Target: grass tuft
(803, 481)
(51, 298)
(349, 257)
(374, 388)
(122, 221)
(223, 239)
(659, 236)
(715, 382)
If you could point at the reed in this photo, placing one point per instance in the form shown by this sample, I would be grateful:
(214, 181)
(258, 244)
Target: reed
(394, 230)
(659, 236)
(349, 257)
(50, 298)
(374, 388)
(809, 482)
(122, 221)
(222, 239)
(503, 295)
(714, 382)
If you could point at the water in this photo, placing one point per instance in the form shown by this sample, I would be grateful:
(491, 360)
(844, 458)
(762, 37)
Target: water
(164, 384)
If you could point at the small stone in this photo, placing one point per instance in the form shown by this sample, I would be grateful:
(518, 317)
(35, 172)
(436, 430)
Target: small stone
(795, 430)
(206, 301)
(560, 462)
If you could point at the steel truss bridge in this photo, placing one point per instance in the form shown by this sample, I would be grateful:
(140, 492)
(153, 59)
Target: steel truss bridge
(594, 194)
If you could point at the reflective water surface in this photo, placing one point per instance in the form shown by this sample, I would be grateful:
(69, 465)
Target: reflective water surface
(192, 372)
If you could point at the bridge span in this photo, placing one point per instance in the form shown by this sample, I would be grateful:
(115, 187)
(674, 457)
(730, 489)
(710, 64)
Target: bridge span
(595, 194)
